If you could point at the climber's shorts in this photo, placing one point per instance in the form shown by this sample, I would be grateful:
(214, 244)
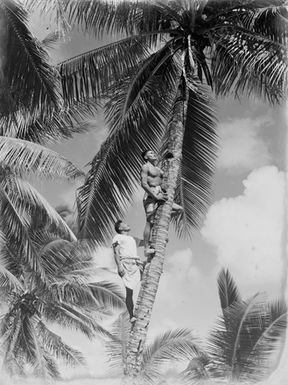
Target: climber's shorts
(150, 203)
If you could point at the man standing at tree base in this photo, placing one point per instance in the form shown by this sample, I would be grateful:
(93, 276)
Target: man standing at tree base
(127, 261)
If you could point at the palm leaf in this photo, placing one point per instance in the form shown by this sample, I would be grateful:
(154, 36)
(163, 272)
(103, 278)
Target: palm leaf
(7, 278)
(179, 344)
(31, 83)
(127, 17)
(270, 21)
(198, 160)
(24, 157)
(25, 196)
(9, 339)
(56, 347)
(247, 63)
(227, 289)
(90, 74)
(274, 330)
(114, 172)
(62, 124)
(107, 295)
(72, 317)
(116, 346)
(231, 344)
(15, 228)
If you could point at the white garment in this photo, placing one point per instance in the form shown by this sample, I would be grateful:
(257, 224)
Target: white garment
(128, 258)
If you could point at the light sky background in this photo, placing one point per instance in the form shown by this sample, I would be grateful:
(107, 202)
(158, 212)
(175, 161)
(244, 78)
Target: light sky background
(242, 231)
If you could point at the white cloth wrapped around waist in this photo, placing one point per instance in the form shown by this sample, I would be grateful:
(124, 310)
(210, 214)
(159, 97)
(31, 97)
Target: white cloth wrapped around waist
(131, 276)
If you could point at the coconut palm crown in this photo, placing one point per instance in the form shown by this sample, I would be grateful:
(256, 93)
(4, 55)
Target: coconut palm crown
(229, 47)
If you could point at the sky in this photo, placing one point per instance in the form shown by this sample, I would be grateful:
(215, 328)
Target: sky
(242, 230)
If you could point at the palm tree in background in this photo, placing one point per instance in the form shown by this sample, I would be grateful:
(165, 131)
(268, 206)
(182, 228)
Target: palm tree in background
(240, 347)
(159, 97)
(45, 278)
(179, 345)
(44, 271)
(244, 343)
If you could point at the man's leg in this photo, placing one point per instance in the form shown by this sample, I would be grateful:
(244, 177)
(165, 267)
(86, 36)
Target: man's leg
(146, 234)
(176, 209)
(150, 213)
(129, 301)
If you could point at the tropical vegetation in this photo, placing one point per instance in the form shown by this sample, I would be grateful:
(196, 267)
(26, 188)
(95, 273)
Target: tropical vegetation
(45, 273)
(159, 96)
(242, 347)
(157, 84)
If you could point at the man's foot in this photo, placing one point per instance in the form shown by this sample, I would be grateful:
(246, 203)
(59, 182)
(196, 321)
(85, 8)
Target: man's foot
(149, 252)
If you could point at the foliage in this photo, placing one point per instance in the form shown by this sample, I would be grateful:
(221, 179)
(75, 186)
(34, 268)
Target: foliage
(244, 339)
(229, 47)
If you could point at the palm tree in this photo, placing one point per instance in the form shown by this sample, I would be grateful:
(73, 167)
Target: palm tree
(46, 277)
(170, 347)
(159, 93)
(242, 344)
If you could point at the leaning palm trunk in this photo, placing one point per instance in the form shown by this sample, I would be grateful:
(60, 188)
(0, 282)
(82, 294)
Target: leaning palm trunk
(154, 269)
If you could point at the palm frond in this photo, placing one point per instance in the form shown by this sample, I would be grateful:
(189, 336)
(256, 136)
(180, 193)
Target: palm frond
(275, 328)
(56, 347)
(199, 150)
(107, 295)
(231, 343)
(246, 63)
(179, 344)
(270, 21)
(72, 317)
(31, 82)
(62, 124)
(90, 74)
(10, 328)
(23, 195)
(227, 289)
(24, 157)
(15, 228)
(116, 346)
(8, 278)
(126, 17)
(114, 171)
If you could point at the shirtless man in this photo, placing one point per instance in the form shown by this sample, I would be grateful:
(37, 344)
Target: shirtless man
(151, 181)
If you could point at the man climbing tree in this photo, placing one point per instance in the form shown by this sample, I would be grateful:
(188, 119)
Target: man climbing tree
(155, 194)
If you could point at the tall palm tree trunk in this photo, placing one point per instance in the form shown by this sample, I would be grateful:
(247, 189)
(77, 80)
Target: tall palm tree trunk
(154, 269)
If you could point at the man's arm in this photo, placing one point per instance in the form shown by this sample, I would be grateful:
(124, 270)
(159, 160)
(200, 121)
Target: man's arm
(139, 242)
(116, 249)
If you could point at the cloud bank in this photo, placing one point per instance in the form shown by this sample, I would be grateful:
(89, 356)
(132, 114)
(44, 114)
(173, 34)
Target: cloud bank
(247, 230)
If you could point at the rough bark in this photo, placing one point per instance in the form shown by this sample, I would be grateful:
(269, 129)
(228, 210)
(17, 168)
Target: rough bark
(154, 269)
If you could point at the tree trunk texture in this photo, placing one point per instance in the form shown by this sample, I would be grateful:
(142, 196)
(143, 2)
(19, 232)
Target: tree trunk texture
(154, 269)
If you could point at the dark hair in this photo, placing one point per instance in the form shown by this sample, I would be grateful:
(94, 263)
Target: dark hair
(144, 154)
(117, 225)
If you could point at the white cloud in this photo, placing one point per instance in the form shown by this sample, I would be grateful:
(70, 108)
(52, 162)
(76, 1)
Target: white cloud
(246, 230)
(187, 298)
(242, 148)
